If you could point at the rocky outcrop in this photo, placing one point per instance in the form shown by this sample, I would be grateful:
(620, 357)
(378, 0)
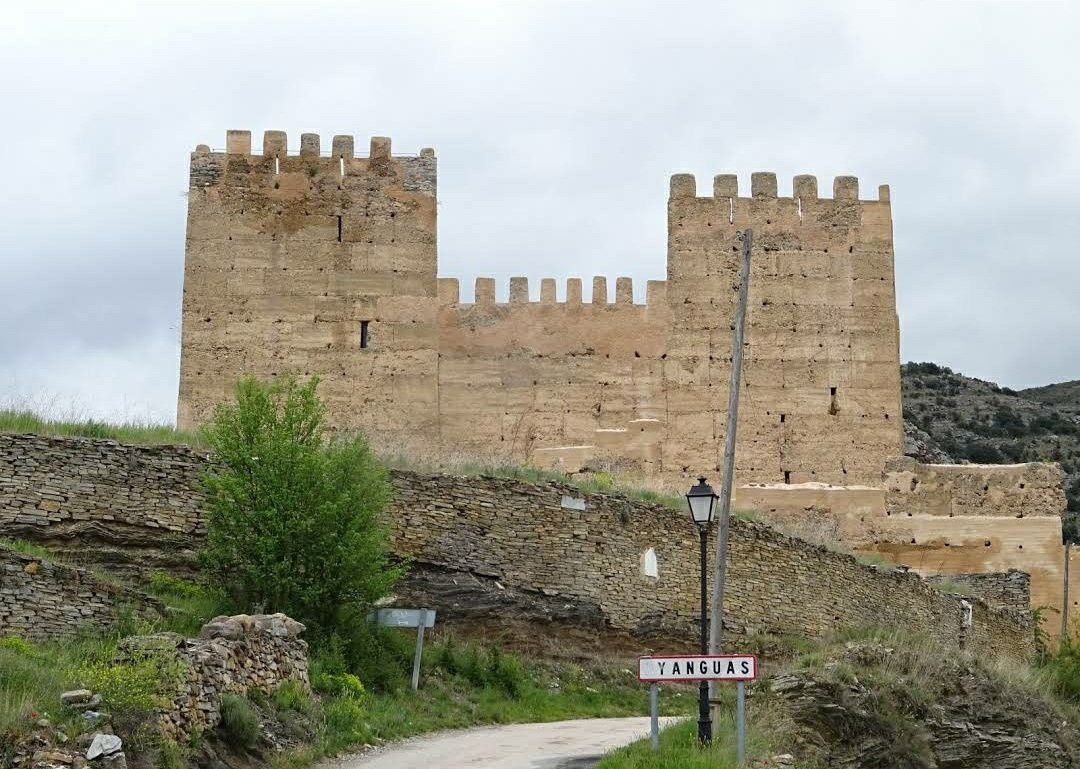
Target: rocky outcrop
(919, 444)
(875, 707)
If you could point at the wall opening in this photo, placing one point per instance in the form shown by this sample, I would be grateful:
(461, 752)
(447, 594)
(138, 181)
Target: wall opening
(783, 418)
(364, 334)
(339, 228)
(834, 407)
(787, 476)
(649, 565)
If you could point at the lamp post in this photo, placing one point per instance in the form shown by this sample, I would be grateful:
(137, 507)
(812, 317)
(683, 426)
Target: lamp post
(702, 501)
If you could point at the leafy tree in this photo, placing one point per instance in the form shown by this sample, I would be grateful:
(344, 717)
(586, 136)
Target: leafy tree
(294, 520)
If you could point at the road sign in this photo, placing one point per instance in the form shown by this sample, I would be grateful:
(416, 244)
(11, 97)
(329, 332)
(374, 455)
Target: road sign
(406, 617)
(700, 667)
(417, 618)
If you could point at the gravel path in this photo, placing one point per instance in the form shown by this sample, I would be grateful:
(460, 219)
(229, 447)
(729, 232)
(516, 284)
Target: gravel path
(557, 745)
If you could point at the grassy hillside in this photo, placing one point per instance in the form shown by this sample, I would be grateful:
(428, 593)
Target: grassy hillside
(978, 421)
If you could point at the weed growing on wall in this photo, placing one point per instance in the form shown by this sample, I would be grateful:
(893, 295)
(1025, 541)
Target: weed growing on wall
(293, 517)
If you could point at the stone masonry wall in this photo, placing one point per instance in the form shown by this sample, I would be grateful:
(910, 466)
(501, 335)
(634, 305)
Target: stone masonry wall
(1011, 589)
(587, 548)
(232, 654)
(139, 505)
(1008, 491)
(591, 547)
(326, 264)
(40, 599)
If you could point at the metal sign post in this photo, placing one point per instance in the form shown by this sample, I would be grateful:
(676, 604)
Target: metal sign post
(654, 716)
(740, 721)
(417, 618)
(699, 667)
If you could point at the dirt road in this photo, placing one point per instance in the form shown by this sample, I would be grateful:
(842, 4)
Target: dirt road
(558, 745)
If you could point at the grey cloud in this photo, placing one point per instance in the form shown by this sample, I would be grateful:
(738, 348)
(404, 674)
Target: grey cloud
(557, 126)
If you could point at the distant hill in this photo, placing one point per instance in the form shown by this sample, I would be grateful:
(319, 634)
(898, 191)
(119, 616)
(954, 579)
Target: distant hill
(972, 420)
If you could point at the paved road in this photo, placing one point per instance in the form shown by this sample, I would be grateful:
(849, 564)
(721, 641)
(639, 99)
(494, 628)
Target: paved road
(558, 745)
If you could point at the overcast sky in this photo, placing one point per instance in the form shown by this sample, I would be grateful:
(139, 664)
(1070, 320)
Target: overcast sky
(557, 126)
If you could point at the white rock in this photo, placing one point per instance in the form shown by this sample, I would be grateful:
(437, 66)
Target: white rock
(103, 745)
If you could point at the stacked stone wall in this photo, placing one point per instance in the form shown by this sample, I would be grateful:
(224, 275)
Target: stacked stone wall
(558, 542)
(231, 655)
(40, 599)
(1010, 589)
(591, 548)
(139, 505)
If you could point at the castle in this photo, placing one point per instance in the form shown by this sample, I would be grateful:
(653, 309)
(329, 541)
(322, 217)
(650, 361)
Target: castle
(326, 264)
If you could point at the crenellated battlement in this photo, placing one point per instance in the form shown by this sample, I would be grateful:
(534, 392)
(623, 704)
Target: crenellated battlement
(519, 293)
(763, 184)
(304, 255)
(293, 169)
(276, 145)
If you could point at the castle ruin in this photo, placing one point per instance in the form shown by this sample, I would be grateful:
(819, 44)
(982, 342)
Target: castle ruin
(326, 264)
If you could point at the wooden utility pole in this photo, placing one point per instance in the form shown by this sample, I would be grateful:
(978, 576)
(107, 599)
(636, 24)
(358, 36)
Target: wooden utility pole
(1065, 603)
(716, 624)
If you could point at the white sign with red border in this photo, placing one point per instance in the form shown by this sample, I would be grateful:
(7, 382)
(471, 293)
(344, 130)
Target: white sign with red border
(701, 667)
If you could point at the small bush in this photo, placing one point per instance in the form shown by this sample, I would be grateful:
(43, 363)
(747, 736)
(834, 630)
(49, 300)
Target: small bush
(505, 672)
(292, 696)
(133, 687)
(166, 584)
(170, 755)
(338, 685)
(381, 657)
(1063, 671)
(447, 657)
(240, 722)
(346, 721)
(17, 645)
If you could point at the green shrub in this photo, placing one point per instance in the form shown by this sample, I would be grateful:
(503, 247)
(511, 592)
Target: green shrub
(447, 657)
(292, 696)
(338, 685)
(1063, 671)
(240, 722)
(505, 672)
(17, 645)
(293, 516)
(134, 687)
(166, 584)
(381, 657)
(346, 720)
(170, 754)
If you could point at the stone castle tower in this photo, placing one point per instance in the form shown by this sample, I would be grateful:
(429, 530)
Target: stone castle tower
(326, 264)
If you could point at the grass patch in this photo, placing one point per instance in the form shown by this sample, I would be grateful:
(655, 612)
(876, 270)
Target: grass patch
(465, 684)
(951, 587)
(589, 483)
(679, 747)
(143, 434)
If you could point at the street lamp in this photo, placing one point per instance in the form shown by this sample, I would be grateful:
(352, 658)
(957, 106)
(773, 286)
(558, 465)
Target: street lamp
(702, 501)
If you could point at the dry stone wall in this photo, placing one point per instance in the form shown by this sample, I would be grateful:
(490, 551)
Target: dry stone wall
(40, 599)
(590, 549)
(231, 655)
(326, 264)
(139, 505)
(1011, 589)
